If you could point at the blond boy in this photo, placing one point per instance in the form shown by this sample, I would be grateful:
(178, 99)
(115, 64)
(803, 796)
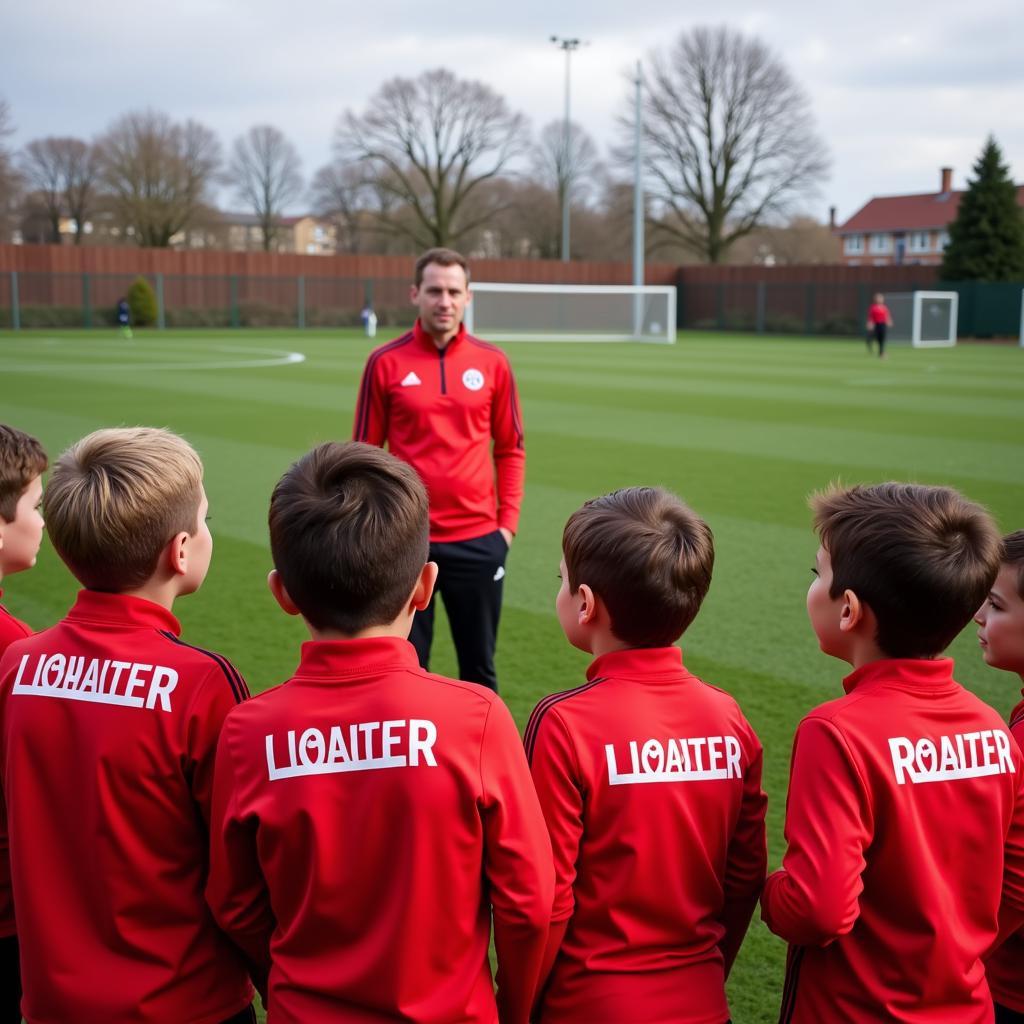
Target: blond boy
(108, 728)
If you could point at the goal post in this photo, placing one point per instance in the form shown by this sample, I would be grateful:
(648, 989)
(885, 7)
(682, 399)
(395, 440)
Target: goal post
(572, 312)
(924, 319)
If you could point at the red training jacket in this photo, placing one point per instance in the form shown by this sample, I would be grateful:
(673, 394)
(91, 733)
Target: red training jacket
(108, 732)
(11, 629)
(367, 818)
(651, 784)
(906, 804)
(1005, 968)
(439, 410)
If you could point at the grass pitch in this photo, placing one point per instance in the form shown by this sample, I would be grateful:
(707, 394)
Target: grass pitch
(744, 428)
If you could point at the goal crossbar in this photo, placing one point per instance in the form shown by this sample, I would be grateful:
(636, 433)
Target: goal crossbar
(634, 322)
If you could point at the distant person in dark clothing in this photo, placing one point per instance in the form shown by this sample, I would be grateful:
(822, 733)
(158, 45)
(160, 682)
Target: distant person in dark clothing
(124, 317)
(879, 321)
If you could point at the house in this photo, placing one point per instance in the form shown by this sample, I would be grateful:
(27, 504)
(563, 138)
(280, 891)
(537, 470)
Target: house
(241, 232)
(891, 230)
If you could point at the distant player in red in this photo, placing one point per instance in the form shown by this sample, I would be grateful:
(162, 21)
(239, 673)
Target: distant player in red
(879, 321)
(650, 780)
(370, 818)
(22, 463)
(108, 731)
(1001, 636)
(446, 403)
(905, 817)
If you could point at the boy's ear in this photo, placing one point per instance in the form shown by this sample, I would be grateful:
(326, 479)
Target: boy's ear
(853, 612)
(281, 596)
(424, 589)
(176, 554)
(588, 604)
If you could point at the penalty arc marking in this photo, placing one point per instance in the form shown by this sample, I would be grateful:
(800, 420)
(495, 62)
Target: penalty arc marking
(269, 357)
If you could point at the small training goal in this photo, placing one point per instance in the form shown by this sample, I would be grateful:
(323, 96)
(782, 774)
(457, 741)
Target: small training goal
(925, 319)
(566, 312)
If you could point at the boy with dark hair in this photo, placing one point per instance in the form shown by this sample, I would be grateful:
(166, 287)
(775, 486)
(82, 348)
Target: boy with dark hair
(108, 730)
(905, 817)
(650, 780)
(1001, 618)
(369, 816)
(22, 464)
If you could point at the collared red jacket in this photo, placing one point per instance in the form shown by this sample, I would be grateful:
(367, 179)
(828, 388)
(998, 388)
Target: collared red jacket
(452, 414)
(905, 830)
(108, 733)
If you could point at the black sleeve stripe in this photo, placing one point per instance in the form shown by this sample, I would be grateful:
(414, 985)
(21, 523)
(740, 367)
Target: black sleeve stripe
(363, 407)
(533, 726)
(235, 681)
(793, 960)
(516, 419)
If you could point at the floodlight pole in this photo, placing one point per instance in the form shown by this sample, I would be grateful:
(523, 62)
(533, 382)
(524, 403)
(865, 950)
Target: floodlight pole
(638, 207)
(568, 45)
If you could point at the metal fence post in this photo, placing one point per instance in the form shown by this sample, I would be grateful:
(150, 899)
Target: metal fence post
(809, 314)
(86, 302)
(302, 301)
(761, 289)
(161, 314)
(720, 303)
(15, 306)
(233, 300)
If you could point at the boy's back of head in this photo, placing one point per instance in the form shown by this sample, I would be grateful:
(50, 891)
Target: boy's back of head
(22, 459)
(349, 535)
(922, 558)
(116, 498)
(647, 555)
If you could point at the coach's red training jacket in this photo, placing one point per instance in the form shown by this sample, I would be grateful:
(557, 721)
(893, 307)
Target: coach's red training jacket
(108, 730)
(651, 784)
(1005, 968)
(367, 817)
(11, 629)
(439, 410)
(906, 805)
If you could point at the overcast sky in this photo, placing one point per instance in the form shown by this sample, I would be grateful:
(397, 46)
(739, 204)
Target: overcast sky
(899, 88)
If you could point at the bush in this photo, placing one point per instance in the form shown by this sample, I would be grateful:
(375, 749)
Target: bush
(142, 303)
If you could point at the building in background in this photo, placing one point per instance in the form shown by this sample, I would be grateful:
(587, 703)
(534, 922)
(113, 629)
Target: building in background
(893, 230)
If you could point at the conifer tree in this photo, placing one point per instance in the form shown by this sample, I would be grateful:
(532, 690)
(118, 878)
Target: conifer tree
(986, 241)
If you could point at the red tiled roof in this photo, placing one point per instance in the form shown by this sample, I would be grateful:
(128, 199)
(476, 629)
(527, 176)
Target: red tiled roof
(929, 211)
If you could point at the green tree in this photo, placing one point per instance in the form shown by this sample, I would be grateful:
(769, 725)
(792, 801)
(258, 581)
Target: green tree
(986, 241)
(142, 303)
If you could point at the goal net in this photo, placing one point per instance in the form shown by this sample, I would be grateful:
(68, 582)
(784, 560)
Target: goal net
(924, 319)
(572, 312)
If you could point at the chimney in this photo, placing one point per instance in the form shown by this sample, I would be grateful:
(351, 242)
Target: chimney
(947, 180)
(832, 217)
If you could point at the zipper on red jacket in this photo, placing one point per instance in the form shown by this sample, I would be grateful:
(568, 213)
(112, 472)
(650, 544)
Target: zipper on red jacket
(440, 356)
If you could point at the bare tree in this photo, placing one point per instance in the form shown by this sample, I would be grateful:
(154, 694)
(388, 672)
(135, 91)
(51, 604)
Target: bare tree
(265, 169)
(158, 173)
(10, 181)
(340, 194)
(430, 143)
(62, 172)
(574, 168)
(41, 164)
(729, 139)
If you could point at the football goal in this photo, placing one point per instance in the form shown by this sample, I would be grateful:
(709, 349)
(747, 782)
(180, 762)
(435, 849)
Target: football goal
(925, 319)
(572, 312)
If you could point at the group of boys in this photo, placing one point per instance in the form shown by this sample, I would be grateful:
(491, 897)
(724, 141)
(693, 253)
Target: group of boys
(344, 841)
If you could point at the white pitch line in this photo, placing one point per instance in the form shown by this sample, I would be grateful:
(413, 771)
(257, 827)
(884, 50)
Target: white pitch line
(272, 357)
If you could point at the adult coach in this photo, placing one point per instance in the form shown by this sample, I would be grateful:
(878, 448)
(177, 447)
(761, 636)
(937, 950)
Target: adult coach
(446, 403)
